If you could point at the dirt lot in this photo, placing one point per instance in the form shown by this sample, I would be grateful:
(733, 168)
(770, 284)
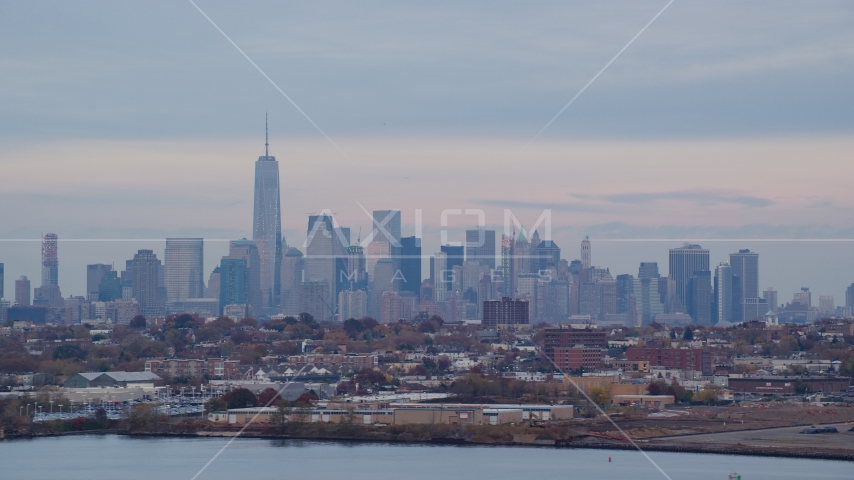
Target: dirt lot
(786, 437)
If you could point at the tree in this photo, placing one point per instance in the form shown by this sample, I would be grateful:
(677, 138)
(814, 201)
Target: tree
(599, 395)
(137, 322)
(268, 396)
(215, 405)
(307, 398)
(68, 351)
(689, 334)
(673, 334)
(240, 398)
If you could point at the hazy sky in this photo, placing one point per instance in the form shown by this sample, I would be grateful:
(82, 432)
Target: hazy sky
(724, 120)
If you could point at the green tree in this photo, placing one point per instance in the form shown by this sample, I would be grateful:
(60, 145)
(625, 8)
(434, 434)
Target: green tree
(240, 398)
(215, 405)
(689, 334)
(599, 395)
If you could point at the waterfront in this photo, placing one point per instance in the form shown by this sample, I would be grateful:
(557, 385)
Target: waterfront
(97, 457)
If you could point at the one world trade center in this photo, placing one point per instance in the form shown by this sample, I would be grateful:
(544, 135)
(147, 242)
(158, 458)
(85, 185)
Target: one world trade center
(267, 226)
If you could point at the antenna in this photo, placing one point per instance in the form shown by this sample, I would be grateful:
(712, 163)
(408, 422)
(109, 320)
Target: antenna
(359, 240)
(266, 137)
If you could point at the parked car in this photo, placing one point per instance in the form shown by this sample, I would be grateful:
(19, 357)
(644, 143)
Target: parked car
(813, 430)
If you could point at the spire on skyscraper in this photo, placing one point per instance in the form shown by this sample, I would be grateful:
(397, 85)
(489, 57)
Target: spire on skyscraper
(266, 137)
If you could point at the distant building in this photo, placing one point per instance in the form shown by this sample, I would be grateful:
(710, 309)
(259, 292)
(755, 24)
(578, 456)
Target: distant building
(577, 358)
(684, 263)
(146, 272)
(745, 282)
(505, 312)
(571, 337)
(248, 251)
(110, 287)
(826, 305)
(480, 247)
(676, 358)
(94, 274)
(586, 254)
(770, 296)
(184, 269)
(293, 270)
(352, 304)
(210, 368)
(315, 299)
(22, 292)
(233, 282)
(410, 264)
(50, 259)
(266, 234)
(699, 297)
(723, 293)
(111, 379)
(355, 362)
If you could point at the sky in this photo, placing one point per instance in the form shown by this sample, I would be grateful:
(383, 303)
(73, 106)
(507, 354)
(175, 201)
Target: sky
(726, 123)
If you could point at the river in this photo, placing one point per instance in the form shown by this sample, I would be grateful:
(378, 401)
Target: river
(111, 457)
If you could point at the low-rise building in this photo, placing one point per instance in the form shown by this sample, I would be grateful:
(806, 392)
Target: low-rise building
(209, 368)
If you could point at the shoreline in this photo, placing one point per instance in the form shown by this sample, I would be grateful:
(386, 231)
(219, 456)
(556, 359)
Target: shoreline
(645, 445)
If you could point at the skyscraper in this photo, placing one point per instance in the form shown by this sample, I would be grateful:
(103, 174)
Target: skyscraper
(184, 269)
(439, 275)
(22, 291)
(849, 296)
(480, 247)
(770, 296)
(386, 227)
(684, 262)
(248, 251)
(2, 280)
(322, 250)
(647, 297)
(146, 272)
(723, 293)
(267, 227)
(507, 244)
(293, 272)
(50, 260)
(699, 296)
(233, 286)
(410, 264)
(94, 274)
(586, 254)
(357, 275)
(745, 282)
(454, 257)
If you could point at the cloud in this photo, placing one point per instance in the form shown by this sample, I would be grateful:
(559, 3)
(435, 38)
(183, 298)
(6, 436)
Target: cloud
(704, 198)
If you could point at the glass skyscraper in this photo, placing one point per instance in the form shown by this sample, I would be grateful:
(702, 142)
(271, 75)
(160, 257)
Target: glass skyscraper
(267, 226)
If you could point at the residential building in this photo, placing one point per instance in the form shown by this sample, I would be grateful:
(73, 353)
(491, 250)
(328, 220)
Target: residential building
(315, 299)
(191, 368)
(352, 304)
(572, 337)
(568, 359)
(505, 312)
(22, 292)
(146, 276)
(723, 293)
(675, 358)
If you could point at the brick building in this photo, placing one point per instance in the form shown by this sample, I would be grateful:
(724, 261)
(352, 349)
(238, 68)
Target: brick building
(788, 385)
(497, 313)
(577, 358)
(218, 368)
(571, 337)
(353, 361)
(678, 358)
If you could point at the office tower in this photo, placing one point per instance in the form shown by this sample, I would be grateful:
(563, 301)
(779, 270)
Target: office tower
(826, 305)
(804, 298)
(50, 260)
(849, 296)
(376, 251)
(212, 290)
(480, 247)
(699, 296)
(94, 274)
(586, 254)
(646, 295)
(22, 291)
(526, 289)
(342, 254)
(184, 269)
(110, 288)
(770, 296)
(754, 309)
(506, 266)
(684, 261)
(322, 249)
(2, 281)
(293, 273)
(386, 227)
(384, 280)
(545, 254)
(410, 264)
(267, 227)
(521, 262)
(247, 250)
(440, 275)
(357, 274)
(723, 293)
(233, 282)
(625, 293)
(352, 304)
(745, 272)
(314, 300)
(146, 273)
(455, 257)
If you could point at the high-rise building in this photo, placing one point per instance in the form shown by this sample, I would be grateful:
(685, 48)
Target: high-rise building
(357, 274)
(455, 256)
(625, 293)
(384, 280)
(184, 269)
(50, 259)
(439, 275)
(352, 304)
(267, 228)
(212, 290)
(505, 313)
(804, 298)
(723, 293)
(754, 309)
(410, 264)
(110, 288)
(745, 272)
(322, 252)
(684, 262)
(647, 297)
(506, 266)
(849, 296)
(293, 273)
(699, 296)
(826, 305)
(146, 273)
(770, 296)
(247, 250)
(386, 227)
(586, 254)
(94, 274)
(233, 282)
(480, 247)
(314, 300)
(376, 251)
(2, 280)
(22, 292)
(546, 254)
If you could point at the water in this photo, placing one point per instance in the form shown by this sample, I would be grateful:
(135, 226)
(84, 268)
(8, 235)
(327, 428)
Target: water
(103, 457)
